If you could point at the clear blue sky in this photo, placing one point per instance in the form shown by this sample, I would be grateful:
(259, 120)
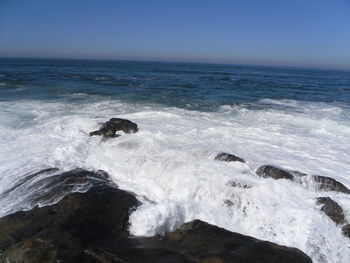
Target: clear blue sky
(273, 32)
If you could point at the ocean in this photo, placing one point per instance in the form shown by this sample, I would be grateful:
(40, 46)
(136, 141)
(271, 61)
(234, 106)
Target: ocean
(298, 119)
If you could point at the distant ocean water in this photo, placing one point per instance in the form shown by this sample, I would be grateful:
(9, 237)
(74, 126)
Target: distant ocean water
(298, 119)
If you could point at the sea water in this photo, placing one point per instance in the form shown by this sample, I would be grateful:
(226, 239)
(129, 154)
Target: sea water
(187, 113)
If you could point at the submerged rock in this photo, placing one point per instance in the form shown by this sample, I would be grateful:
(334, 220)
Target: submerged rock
(346, 230)
(28, 178)
(49, 186)
(322, 183)
(109, 128)
(329, 184)
(237, 184)
(267, 171)
(335, 212)
(227, 157)
(332, 209)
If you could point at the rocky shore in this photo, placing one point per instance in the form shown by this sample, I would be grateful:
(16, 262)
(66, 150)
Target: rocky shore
(93, 227)
(85, 218)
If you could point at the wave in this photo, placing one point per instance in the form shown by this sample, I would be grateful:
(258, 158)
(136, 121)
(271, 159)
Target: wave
(169, 164)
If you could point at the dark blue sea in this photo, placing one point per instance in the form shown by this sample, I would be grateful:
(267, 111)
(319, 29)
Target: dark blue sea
(293, 118)
(189, 86)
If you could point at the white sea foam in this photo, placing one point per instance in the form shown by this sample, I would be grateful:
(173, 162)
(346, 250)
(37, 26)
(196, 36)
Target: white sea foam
(169, 164)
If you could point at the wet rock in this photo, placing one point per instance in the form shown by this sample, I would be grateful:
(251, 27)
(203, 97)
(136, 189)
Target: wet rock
(109, 128)
(195, 241)
(297, 174)
(28, 178)
(227, 157)
(209, 243)
(134, 250)
(332, 209)
(238, 184)
(61, 232)
(329, 184)
(346, 230)
(269, 171)
(49, 186)
(93, 227)
(322, 183)
(228, 203)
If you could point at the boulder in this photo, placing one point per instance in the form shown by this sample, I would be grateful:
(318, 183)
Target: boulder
(322, 183)
(109, 128)
(329, 184)
(332, 209)
(209, 243)
(195, 241)
(61, 232)
(269, 171)
(92, 227)
(227, 157)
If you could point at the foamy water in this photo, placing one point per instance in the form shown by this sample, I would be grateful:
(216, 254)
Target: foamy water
(169, 163)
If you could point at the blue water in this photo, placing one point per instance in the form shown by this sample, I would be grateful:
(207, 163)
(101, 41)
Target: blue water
(191, 86)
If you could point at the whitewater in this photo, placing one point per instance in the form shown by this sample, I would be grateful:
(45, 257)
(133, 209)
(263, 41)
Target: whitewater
(169, 164)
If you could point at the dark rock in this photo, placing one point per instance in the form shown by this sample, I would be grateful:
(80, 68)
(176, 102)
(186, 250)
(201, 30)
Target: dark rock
(208, 243)
(226, 157)
(134, 250)
(92, 227)
(60, 232)
(297, 173)
(238, 184)
(346, 230)
(28, 178)
(109, 128)
(273, 172)
(329, 184)
(48, 186)
(332, 209)
(228, 203)
(196, 241)
(321, 182)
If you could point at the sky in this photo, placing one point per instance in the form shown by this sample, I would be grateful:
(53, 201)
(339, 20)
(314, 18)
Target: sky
(302, 33)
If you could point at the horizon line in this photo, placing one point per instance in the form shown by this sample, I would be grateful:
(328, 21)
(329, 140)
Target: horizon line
(185, 62)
